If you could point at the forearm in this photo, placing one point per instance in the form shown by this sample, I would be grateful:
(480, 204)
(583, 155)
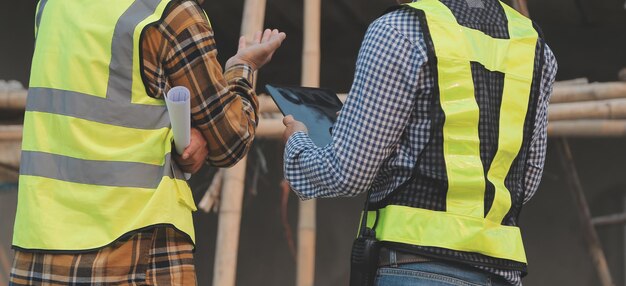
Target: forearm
(223, 105)
(229, 122)
(315, 172)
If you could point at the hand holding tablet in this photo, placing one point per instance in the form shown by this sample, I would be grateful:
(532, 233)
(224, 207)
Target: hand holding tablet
(315, 107)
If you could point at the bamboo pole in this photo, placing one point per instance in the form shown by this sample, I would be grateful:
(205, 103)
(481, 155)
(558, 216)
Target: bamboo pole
(522, 7)
(589, 232)
(575, 81)
(601, 109)
(622, 75)
(211, 199)
(12, 95)
(10, 132)
(229, 224)
(225, 268)
(588, 92)
(4, 263)
(587, 128)
(311, 55)
(609, 219)
(270, 128)
(13, 99)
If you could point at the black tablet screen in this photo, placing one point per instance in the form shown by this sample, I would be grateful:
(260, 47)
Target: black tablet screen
(316, 108)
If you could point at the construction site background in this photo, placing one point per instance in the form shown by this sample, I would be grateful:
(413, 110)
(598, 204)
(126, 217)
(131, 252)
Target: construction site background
(589, 40)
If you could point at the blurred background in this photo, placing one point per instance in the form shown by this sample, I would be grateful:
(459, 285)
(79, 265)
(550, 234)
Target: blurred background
(588, 38)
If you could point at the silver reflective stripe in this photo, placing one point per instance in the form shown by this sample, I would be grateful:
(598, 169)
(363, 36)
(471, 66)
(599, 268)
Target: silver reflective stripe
(97, 109)
(119, 87)
(42, 5)
(101, 173)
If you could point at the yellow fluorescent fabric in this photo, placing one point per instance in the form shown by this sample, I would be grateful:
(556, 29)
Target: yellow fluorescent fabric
(86, 219)
(513, 111)
(78, 118)
(447, 230)
(138, 86)
(89, 140)
(464, 225)
(81, 50)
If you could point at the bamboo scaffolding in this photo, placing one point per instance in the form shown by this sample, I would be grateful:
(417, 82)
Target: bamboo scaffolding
(229, 224)
(575, 81)
(601, 109)
(10, 132)
(13, 100)
(588, 92)
(272, 128)
(587, 128)
(12, 95)
(226, 250)
(311, 56)
(609, 220)
(4, 263)
(589, 232)
(211, 199)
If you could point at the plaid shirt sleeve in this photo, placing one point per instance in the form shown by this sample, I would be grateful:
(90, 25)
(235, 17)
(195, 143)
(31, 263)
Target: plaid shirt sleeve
(371, 123)
(539, 141)
(181, 51)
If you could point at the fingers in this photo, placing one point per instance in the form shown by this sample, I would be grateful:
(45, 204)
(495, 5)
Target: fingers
(288, 120)
(257, 37)
(242, 43)
(266, 35)
(277, 40)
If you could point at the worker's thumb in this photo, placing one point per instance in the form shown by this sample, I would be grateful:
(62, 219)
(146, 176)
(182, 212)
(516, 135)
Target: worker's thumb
(288, 120)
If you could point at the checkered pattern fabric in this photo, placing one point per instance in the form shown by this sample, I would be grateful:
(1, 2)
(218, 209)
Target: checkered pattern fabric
(160, 256)
(386, 123)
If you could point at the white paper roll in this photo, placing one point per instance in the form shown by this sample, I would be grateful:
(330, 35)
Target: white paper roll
(177, 100)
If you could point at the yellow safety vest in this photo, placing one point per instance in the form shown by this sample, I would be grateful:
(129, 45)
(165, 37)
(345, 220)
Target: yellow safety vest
(96, 160)
(463, 226)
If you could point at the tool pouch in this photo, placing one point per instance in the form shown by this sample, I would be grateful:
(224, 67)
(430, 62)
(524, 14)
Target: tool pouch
(364, 259)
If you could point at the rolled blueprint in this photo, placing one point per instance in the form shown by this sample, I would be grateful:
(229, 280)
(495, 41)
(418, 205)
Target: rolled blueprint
(178, 106)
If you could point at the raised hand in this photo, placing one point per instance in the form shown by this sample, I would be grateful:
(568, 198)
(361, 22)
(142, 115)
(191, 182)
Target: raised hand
(260, 51)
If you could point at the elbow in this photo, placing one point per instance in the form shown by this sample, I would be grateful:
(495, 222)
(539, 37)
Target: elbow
(350, 185)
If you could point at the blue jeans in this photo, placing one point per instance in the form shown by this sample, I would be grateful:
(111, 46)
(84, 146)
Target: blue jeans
(434, 274)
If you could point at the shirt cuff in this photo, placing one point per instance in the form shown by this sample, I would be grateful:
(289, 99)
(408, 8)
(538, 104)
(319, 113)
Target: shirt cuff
(297, 143)
(238, 72)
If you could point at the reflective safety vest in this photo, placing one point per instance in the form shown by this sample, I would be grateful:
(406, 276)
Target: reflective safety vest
(96, 160)
(464, 225)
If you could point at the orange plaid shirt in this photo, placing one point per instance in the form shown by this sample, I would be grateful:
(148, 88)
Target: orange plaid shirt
(180, 51)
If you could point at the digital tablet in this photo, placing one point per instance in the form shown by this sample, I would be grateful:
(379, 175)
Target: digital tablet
(315, 107)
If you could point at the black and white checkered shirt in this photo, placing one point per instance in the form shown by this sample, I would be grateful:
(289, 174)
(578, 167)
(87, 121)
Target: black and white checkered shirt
(385, 123)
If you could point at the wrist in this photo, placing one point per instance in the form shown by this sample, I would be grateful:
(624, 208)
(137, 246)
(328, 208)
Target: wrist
(234, 61)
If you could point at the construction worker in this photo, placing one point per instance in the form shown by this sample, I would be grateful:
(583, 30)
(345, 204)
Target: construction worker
(101, 200)
(445, 129)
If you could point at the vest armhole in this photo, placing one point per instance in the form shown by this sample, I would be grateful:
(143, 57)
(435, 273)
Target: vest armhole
(142, 67)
